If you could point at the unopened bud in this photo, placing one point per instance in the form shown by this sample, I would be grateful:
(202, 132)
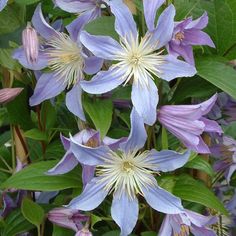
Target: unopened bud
(84, 232)
(30, 43)
(8, 94)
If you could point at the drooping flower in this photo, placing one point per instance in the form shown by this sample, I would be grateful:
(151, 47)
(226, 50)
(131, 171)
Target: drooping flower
(138, 61)
(8, 94)
(184, 223)
(225, 152)
(67, 218)
(66, 58)
(89, 138)
(186, 34)
(187, 122)
(3, 3)
(127, 172)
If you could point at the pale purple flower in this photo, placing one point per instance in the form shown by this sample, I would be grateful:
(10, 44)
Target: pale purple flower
(127, 172)
(8, 94)
(84, 232)
(137, 61)
(225, 151)
(66, 58)
(30, 43)
(187, 123)
(188, 221)
(186, 34)
(89, 138)
(67, 218)
(3, 3)
(88, 10)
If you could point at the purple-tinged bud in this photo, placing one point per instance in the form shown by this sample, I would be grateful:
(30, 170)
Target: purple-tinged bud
(8, 94)
(30, 44)
(84, 232)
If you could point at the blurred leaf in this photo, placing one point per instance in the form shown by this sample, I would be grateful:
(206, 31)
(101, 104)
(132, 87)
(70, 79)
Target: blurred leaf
(36, 134)
(26, 2)
(6, 59)
(192, 190)
(100, 112)
(200, 164)
(94, 219)
(16, 224)
(5, 137)
(218, 73)
(11, 18)
(32, 212)
(18, 111)
(115, 233)
(102, 26)
(149, 233)
(230, 130)
(59, 231)
(167, 182)
(164, 138)
(48, 115)
(34, 178)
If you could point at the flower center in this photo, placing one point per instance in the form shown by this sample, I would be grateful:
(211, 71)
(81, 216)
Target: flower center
(179, 36)
(139, 60)
(65, 59)
(128, 173)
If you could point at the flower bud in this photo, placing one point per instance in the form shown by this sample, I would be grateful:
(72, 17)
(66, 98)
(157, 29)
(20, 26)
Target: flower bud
(30, 44)
(8, 94)
(84, 232)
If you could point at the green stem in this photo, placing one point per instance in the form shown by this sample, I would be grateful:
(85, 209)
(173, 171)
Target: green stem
(6, 171)
(38, 230)
(6, 164)
(13, 149)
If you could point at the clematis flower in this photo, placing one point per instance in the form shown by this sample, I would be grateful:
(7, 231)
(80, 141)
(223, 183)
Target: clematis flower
(127, 172)
(184, 223)
(186, 34)
(88, 10)
(67, 218)
(89, 138)
(138, 61)
(187, 123)
(3, 3)
(66, 58)
(8, 94)
(225, 151)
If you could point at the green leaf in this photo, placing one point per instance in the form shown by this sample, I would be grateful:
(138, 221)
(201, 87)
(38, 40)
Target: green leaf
(36, 134)
(102, 26)
(32, 212)
(100, 111)
(34, 178)
(149, 233)
(115, 233)
(16, 224)
(192, 190)
(164, 138)
(6, 59)
(26, 2)
(218, 73)
(59, 231)
(94, 219)
(200, 164)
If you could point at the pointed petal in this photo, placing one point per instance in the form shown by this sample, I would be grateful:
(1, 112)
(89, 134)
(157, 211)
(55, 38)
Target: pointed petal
(231, 170)
(92, 65)
(67, 163)
(101, 46)
(200, 148)
(197, 37)
(199, 231)
(41, 63)
(199, 23)
(145, 99)
(124, 212)
(208, 104)
(41, 26)
(173, 68)
(125, 25)
(211, 126)
(77, 6)
(88, 155)
(138, 135)
(165, 26)
(91, 197)
(48, 86)
(74, 101)
(104, 81)
(166, 160)
(150, 11)
(78, 24)
(65, 141)
(113, 144)
(163, 201)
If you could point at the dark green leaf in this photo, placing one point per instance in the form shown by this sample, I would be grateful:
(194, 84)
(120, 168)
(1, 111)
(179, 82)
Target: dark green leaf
(33, 177)
(32, 212)
(192, 190)
(100, 112)
(26, 2)
(218, 73)
(36, 134)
